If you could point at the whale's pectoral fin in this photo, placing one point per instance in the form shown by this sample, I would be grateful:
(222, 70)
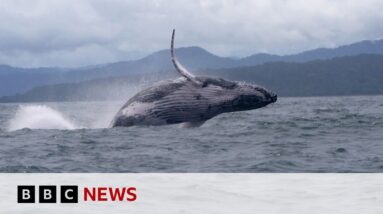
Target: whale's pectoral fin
(179, 67)
(192, 124)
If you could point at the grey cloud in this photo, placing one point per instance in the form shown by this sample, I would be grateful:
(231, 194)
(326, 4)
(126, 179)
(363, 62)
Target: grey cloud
(80, 32)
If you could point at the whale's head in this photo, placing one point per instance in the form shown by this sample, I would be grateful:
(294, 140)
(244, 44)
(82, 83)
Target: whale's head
(236, 96)
(249, 96)
(227, 95)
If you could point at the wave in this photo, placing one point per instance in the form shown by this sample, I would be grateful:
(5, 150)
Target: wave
(39, 117)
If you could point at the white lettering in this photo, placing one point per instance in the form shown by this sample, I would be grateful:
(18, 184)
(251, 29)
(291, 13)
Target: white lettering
(47, 194)
(26, 194)
(67, 195)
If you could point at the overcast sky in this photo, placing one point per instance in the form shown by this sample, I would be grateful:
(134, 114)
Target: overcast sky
(84, 32)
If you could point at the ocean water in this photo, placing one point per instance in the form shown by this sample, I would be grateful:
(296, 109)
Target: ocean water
(307, 134)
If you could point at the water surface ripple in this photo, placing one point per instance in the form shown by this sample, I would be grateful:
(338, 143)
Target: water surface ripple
(322, 134)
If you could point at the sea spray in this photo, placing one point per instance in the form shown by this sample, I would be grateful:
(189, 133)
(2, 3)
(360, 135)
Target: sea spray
(39, 117)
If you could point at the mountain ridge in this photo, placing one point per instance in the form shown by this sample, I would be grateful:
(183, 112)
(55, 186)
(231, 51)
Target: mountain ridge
(348, 75)
(15, 80)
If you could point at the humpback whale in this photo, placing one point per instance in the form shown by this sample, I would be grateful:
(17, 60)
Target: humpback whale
(190, 100)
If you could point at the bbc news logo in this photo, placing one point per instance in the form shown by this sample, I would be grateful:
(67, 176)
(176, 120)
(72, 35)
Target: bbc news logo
(70, 194)
(47, 194)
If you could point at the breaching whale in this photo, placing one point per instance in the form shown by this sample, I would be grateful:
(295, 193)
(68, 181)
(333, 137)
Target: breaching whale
(190, 100)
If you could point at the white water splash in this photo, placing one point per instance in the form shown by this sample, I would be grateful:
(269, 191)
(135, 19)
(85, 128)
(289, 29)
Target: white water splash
(39, 117)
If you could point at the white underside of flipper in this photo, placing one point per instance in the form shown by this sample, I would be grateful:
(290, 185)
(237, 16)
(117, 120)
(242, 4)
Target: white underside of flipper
(179, 67)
